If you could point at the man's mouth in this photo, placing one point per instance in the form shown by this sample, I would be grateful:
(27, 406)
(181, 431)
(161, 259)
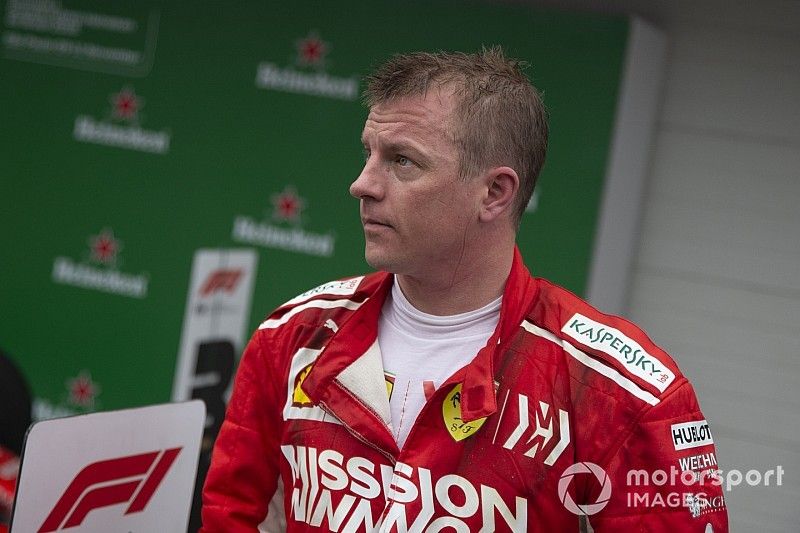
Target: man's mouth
(373, 223)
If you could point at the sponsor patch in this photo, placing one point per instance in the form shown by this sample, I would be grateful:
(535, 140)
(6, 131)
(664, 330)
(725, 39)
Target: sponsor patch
(308, 76)
(621, 347)
(347, 493)
(98, 271)
(698, 463)
(701, 504)
(389, 377)
(121, 129)
(534, 431)
(336, 288)
(283, 229)
(298, 405)
(451, 412)
(299, 397)
(691, 435)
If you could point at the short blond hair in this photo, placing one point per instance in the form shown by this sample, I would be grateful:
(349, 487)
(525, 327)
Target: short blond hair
(499, 120)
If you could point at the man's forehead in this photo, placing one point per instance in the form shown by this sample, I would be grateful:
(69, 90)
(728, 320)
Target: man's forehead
(424, 113)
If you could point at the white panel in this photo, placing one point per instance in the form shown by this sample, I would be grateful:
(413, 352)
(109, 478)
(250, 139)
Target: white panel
(744, 15)
(733, 97)
(725, 173)
(725, 208)
(739, 349)
(631, 146)
(763, 509)
(751, 49)
(717, 275)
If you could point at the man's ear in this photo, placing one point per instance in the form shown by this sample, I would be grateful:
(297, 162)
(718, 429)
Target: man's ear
(501, 186)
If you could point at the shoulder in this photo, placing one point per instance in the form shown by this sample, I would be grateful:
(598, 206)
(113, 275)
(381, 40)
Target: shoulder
(334, 297)
(601, 348)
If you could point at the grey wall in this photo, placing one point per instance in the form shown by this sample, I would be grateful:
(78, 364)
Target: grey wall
(716, 278)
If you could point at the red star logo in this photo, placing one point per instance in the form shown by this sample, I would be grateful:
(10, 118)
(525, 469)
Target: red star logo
(311, 50)
(82, 390)
(104, 247)
(125, 104)
(287, 205)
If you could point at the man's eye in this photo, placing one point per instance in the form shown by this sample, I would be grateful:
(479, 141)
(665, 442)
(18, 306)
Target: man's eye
(403, 161)
(367, 153)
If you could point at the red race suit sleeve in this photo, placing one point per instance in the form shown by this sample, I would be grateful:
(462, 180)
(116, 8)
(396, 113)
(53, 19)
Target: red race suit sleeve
(663, 475)
(244, 473)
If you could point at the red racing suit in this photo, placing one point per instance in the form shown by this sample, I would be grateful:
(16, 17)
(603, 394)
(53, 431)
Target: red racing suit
(9, 470)
(565, 411)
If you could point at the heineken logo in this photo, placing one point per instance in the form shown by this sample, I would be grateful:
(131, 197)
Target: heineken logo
(311, 50)
(287, 205)
(627, 351)
(282, 229)
(121, 127)
(104, 247)
(99, 270)
(125, 105)
(82, 390)
(308, 75)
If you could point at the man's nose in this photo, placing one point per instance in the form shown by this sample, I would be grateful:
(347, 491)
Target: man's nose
(367, 184)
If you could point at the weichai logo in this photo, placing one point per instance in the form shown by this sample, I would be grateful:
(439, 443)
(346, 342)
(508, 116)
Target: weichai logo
(133, 478)
(340, 492)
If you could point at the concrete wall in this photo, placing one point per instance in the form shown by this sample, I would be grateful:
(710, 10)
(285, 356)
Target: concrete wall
(716, 278)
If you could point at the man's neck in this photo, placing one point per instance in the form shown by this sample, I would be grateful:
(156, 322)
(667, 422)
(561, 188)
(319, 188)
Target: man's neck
(469, 285)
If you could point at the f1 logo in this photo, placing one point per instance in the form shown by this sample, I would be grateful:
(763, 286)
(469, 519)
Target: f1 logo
(221, 280)
(133, 478)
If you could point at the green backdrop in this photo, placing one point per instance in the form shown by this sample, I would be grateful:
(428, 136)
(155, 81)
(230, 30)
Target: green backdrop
(134, 133)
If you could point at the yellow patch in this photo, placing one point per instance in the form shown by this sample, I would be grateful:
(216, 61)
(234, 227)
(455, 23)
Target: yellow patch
(451, 412)
(389, 383)
(299, 397)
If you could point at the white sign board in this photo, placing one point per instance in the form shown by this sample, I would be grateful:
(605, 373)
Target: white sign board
(217, 309)
(131, 470)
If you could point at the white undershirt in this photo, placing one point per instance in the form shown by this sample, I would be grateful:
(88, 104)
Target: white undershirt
(417, 348)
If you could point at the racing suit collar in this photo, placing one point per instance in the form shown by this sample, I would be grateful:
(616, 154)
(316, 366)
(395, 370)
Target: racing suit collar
(478, 394)
(358, 334)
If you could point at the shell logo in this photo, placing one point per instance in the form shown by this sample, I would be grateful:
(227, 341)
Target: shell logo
(299, 397)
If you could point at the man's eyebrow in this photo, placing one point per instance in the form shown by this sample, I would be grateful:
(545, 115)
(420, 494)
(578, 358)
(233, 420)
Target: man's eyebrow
(401, 145)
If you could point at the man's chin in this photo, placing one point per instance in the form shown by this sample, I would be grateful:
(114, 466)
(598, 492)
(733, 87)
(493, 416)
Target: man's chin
(380, 260)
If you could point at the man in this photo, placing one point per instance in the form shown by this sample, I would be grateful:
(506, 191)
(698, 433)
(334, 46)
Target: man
(451, 390)
(15, 418)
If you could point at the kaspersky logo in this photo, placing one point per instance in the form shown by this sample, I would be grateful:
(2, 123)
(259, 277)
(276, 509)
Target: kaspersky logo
(121, 126)
(308, 75)
(132, 479)
(627, 351)
(98, 270)
(282, 227)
